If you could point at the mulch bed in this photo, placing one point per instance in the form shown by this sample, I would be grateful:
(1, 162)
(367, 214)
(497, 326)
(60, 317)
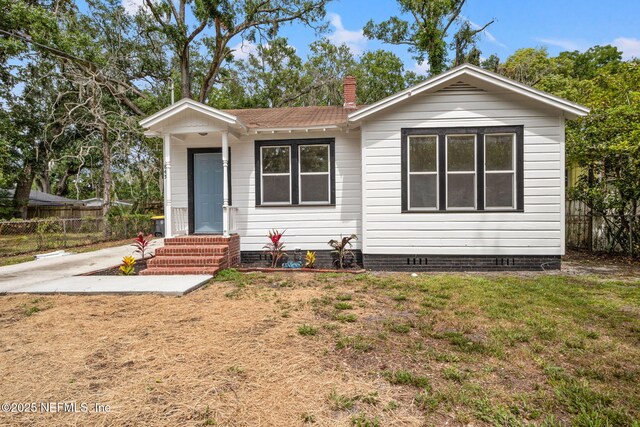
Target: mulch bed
(141, 264)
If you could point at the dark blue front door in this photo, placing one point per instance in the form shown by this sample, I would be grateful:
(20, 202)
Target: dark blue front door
(207, 193)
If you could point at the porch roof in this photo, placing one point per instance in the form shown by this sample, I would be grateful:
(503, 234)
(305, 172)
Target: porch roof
(156, 122)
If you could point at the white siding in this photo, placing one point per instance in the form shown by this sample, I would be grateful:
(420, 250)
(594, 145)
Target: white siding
(537, 231)
(308, 227)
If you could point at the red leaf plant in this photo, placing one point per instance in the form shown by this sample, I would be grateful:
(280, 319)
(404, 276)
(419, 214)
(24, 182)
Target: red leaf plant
(275, 247)
(141, 243)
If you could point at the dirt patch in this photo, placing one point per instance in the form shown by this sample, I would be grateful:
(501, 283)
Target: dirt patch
(167, 361)
(601, 264)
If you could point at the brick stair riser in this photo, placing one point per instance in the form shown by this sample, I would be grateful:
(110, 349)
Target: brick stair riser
(185, 262)
(209, 240)
(179, 270)
(192, 251)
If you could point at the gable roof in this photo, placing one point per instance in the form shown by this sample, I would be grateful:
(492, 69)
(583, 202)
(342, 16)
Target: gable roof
(39, 198)
(189, 104)
(292, 117)
(453, 76)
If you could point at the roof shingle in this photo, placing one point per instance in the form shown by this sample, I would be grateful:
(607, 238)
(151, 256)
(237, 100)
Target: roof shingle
(292, 117)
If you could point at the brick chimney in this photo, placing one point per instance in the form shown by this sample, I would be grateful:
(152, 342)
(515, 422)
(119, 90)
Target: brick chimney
(349, 92)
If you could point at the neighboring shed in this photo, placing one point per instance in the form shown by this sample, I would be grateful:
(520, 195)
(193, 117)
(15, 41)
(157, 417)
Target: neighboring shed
(44, 205)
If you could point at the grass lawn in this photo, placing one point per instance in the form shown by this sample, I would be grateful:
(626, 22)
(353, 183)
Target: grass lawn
(86, 245)
(334, 350)
(26, 243)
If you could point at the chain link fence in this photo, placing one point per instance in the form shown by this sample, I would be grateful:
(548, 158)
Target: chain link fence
(28, 236)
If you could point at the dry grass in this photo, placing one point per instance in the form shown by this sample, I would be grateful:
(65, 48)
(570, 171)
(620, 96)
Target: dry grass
(432, 350)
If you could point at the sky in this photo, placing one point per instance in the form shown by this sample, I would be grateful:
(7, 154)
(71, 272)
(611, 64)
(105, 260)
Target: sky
(558, 25)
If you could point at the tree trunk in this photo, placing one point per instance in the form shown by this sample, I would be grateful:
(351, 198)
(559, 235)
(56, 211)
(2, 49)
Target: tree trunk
(21, 195)
(43, 181)
(106, 181)
(185, 75)
(63, 184)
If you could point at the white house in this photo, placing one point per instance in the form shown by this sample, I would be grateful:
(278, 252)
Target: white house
(463, 171)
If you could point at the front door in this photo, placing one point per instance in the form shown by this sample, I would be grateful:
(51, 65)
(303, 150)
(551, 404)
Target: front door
(207, 192)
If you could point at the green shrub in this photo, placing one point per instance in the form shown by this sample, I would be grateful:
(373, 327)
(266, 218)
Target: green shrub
(89, 224)
(129, 225)
(49, 225)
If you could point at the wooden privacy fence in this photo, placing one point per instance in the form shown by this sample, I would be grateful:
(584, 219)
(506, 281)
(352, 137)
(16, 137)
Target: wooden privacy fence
(68, 211)
(601, 233)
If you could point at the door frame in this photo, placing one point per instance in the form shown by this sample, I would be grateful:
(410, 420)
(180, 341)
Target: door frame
(190, 153)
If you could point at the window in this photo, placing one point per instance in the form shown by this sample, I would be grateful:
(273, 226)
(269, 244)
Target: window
(315, 179)
(276, 174)
(423, 172)
(462, 169)
(295, 172)
(499, 166)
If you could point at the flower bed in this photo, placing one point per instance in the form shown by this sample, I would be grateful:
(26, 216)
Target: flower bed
(140, 265)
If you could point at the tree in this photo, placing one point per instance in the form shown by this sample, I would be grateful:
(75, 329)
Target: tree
(606, 144)
(379, 74)
(528, 65)
(272, 76)
(427, 35)
(492, 63)
(83, 104)
(464, 44)
(325, 69)
(224, 20)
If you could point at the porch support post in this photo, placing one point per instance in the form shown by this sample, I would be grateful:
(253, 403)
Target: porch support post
(225, 183)
(168, 223)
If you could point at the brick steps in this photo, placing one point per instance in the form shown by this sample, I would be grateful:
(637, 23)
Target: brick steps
(186, 261)
(195, 250)
(194, 255)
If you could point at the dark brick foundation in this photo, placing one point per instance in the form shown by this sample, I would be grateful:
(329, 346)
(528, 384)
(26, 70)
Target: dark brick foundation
(461, 262)
(397, 262)
(261, 259)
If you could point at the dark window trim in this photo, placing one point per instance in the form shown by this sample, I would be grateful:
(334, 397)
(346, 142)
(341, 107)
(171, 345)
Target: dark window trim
(480, 132)
(294, 144)
(190, 197)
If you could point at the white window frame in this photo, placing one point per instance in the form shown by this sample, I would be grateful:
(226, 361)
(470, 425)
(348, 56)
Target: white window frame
(263, 174)
(475, 172)
(328, 173)
(436, 173)
(512, 171)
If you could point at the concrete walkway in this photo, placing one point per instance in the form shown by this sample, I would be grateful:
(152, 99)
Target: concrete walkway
(58, 275)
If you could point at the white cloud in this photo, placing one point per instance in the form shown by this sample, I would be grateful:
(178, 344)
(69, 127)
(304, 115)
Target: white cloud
(565, 44)
(243, 49)
(490, 37)
(630, 47)
(356, 40)
(421, 68)
(132, 6)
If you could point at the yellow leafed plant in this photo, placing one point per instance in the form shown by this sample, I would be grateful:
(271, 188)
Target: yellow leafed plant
(310, 259)
(127, 267)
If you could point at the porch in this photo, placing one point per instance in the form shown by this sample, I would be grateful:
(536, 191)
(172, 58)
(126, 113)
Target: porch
(200, 221)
